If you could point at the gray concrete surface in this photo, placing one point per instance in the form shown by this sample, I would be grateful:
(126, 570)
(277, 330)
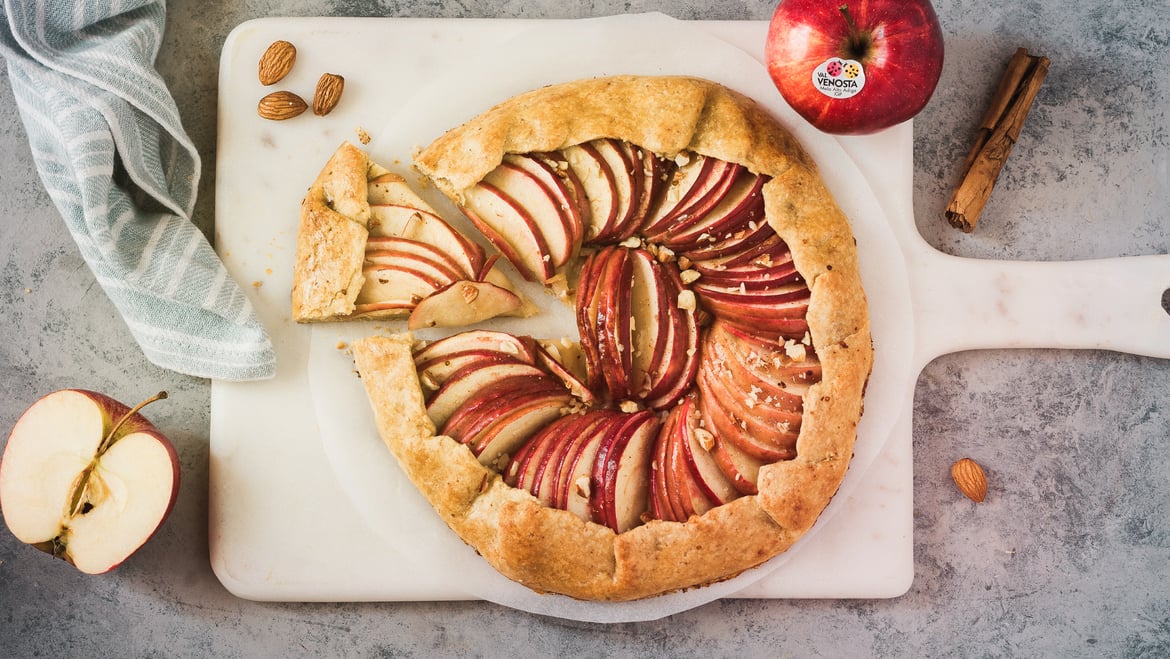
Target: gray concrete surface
(1070, 556)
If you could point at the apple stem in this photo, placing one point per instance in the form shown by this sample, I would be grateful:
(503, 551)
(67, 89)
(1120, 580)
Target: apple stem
(77, 502)
(109, 440)
(857, 41)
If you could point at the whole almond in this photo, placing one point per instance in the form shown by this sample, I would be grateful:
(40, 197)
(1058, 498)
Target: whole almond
(276, 62)
(281, 105)
(970, 479)
(329, 88)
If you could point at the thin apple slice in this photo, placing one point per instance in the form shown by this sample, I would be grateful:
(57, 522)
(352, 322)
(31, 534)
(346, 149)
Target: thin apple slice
(494, 444)
(587, 290)
(544, 207)
(467, 381)
(464, 303)
(547, 484)
(599, 185)
(622, 472)
(649, 321)
(697, 444)
(740, 469)
(524, 467)
(574, 384)
(681, 359)
(767, 438)
(736, 243)
(652, 173)
(394, 287)
(685, 183)
(611, 322)
(519, 347)
(703, 183)
(380, 248)
(484, 407)
(568, 477)
(627, 188)
(434, 373)
(559, 182)
(740, 207)
(579, 487)
(434, 272)
(662, 505)
(510, 227)
(396, 211)
(771, 320)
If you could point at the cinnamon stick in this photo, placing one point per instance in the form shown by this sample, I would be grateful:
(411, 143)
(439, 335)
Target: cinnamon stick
(998, 131)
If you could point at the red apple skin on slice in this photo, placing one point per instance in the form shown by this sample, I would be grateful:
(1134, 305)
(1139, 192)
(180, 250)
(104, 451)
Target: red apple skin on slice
(520, 348)
(463, 303)
(494, 444)
(681, 361)
(131, 487)
(622, 472)
(395, 210)
(485, 406)
(598, 183)
(557, 180)
(611, 322)
(578, 485)
(565, 375)
(467, 381)
(544, 208)
(627, 189)
(512, 230)
(696, 444)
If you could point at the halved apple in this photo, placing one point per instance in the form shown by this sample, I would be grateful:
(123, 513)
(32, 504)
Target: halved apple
(87, 479)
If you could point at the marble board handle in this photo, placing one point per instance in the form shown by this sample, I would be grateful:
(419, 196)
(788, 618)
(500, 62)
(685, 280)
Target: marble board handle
(1111, 304)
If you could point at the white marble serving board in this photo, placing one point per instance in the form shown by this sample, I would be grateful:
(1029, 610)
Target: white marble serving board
(307, 505)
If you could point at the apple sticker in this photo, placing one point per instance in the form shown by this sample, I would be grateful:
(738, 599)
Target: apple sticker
(839, 78)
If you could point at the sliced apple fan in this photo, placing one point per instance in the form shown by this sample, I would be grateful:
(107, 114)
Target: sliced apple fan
(370, 247)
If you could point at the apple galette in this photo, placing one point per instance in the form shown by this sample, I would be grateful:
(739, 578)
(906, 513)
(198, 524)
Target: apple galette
(708, 411)
(369, 247)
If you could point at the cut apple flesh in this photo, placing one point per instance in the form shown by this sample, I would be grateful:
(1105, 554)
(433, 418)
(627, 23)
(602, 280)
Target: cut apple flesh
(78, 486)
(135, 481)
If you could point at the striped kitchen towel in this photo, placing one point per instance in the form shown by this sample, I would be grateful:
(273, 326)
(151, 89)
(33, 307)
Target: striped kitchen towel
(111, 150)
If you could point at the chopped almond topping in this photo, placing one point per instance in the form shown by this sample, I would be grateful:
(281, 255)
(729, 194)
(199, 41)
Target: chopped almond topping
(705, 438)
(689, 276)
(686, 300)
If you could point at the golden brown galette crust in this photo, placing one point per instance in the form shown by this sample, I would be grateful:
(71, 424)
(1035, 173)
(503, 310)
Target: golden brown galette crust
(331, 240)
(552, 550)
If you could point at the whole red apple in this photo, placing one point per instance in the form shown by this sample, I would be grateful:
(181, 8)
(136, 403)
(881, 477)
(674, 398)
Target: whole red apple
(853, 67)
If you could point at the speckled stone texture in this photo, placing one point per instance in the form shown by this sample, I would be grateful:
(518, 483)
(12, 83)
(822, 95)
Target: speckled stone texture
(1069, 555)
